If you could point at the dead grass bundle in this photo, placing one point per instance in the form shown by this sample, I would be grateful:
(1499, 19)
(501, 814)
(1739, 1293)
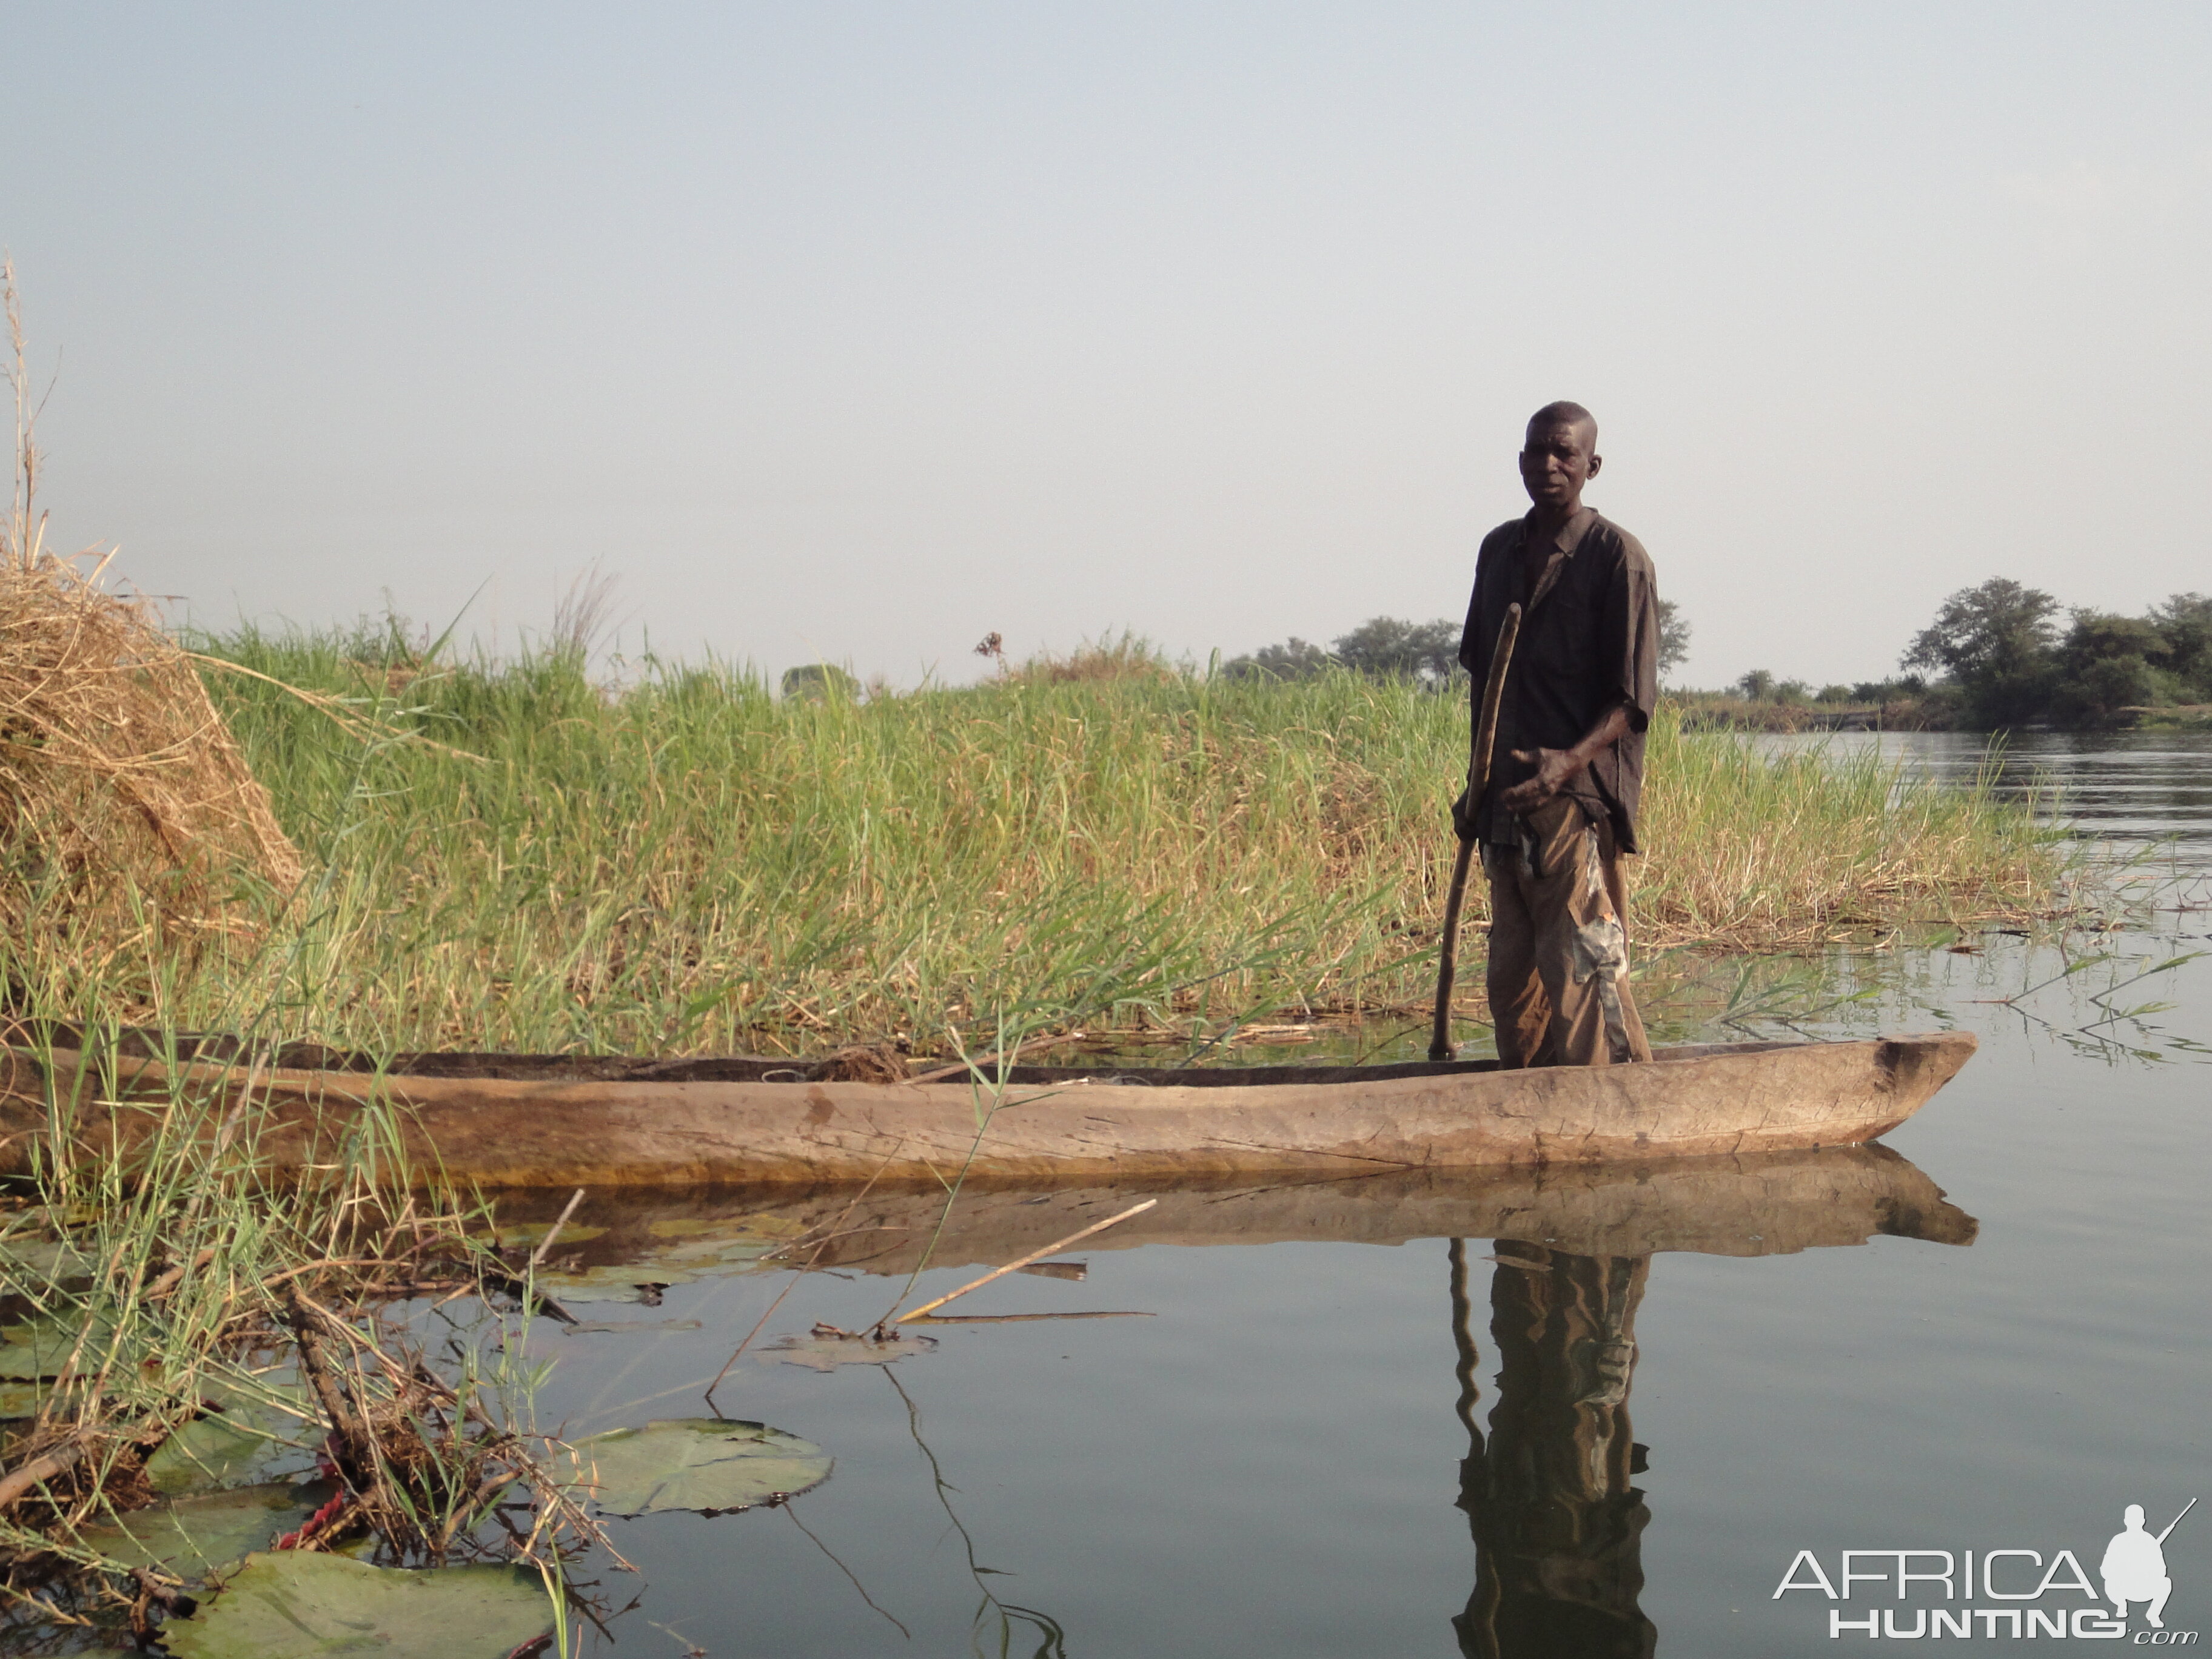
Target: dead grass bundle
(125, 807)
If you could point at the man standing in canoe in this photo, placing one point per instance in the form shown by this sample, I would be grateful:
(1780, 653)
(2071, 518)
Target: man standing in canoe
(1567, 774)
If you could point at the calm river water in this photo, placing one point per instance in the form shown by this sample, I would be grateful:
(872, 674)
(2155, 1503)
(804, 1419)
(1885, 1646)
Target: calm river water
(1302, 1450)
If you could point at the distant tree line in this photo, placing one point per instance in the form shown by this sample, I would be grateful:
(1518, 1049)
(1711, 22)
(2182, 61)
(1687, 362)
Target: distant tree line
(1763, 685)
(1387, 647)
(1998, 656)
(2001, 646)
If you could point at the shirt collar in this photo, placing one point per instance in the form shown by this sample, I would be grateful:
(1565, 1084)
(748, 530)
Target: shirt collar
(1568, 538)
(1570, 534)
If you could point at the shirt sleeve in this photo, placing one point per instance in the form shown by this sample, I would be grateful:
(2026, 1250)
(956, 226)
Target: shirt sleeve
(1474, 648)
(1471, 653)
(1631, 633)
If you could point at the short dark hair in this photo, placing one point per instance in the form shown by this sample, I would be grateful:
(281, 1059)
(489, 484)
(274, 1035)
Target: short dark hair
(1564, 413)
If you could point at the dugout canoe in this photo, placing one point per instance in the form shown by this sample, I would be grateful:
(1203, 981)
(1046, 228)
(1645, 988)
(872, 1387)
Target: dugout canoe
(525, 1120)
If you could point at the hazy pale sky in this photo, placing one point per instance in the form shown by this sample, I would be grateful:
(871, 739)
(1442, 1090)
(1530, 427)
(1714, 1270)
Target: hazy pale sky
(856, 331)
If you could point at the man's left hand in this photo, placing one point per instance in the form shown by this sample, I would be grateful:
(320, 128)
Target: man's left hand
(1555, 770)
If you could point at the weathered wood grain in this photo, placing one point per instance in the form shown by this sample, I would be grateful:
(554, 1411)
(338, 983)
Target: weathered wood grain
(1046, 1124)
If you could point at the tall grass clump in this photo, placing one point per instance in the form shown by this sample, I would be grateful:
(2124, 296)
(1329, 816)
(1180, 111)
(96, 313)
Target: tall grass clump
(1752, 850)
(688, 864)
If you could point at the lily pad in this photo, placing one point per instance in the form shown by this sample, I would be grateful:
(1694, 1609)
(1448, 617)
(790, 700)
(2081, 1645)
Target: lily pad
(27, 1254)
(621, 1283)
(195, 1536)
(704, 1463)
(296, 1604)
(252, 1439)
(41, 1346)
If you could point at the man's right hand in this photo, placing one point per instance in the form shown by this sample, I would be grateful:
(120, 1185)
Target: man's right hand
(1552, 770)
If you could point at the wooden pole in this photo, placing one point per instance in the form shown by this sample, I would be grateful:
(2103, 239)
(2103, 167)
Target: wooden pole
(1478, 780)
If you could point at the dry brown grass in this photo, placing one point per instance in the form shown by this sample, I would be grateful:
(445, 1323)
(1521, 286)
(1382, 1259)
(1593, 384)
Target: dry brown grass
(114, 766)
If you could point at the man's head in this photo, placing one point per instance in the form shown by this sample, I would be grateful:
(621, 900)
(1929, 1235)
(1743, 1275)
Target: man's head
(2133, 1519)
(1560, 456)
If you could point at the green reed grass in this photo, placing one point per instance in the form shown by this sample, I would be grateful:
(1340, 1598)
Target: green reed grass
(689, 864)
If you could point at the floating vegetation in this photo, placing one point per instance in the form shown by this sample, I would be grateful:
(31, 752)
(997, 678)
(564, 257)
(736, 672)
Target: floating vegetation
(205, 1368)
(710, 1464)
(825, 1347)
(231, 1412)
(279, 1607)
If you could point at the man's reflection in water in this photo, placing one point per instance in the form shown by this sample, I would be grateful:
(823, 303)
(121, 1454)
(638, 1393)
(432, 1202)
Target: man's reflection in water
(1556, 1525)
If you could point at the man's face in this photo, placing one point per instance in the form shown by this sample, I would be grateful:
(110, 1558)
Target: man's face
(1559, 459)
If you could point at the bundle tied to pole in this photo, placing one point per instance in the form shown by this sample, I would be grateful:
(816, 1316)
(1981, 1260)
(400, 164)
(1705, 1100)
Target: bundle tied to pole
(127, 812)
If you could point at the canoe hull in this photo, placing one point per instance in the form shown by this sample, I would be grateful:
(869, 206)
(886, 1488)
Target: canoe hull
(528, 1131)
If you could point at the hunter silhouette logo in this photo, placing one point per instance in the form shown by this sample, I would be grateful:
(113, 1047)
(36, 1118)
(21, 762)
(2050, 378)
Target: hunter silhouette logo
(2008, 1593)
(2134, 1568)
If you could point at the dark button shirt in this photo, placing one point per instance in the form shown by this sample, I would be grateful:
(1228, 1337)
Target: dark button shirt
(1589, 639)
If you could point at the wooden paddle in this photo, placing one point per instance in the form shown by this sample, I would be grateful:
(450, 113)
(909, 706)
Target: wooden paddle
(1478, 780)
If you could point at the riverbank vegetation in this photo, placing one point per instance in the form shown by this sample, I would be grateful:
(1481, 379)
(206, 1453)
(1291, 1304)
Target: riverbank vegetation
(510, 856)
(196, 1365)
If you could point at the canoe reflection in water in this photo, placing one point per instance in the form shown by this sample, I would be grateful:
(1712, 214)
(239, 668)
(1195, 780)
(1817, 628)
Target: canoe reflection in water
(1549, 1491)
(1550, 1494)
